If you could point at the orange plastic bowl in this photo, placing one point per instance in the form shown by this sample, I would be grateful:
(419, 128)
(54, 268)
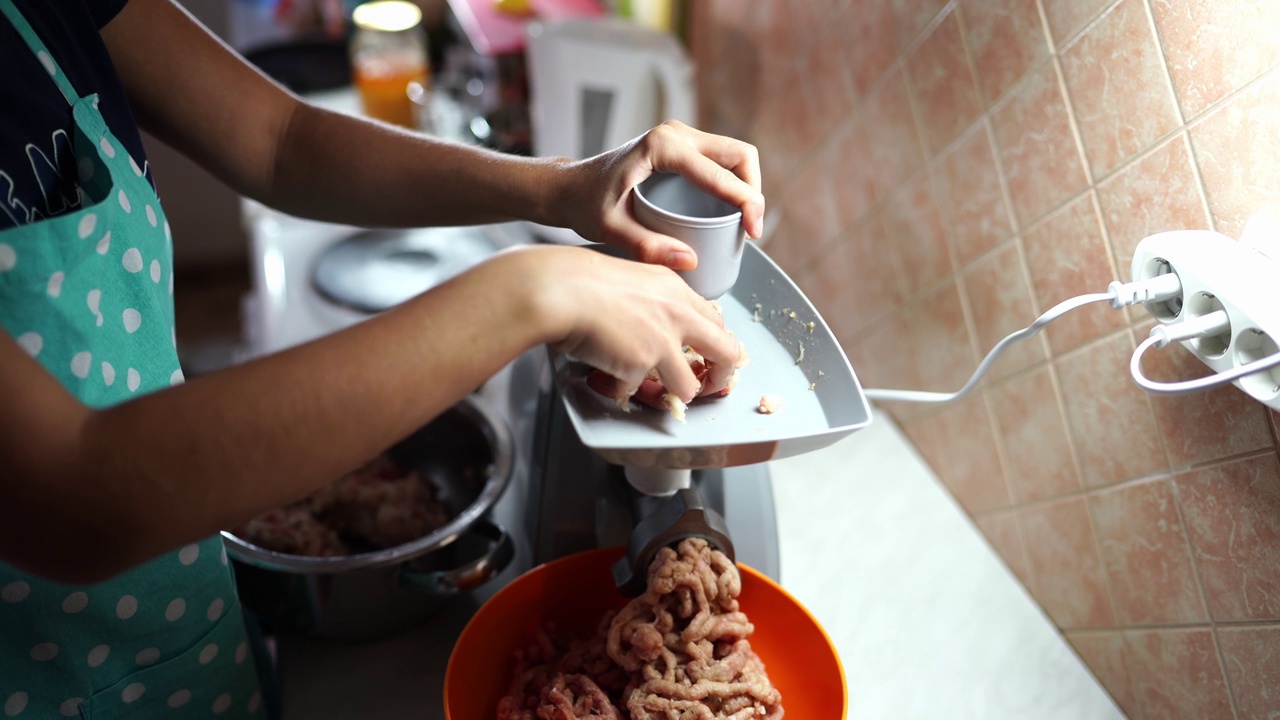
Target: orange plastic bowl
(576, 590)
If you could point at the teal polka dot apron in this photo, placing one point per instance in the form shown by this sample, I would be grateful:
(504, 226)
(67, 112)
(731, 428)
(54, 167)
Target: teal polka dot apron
(89, 295)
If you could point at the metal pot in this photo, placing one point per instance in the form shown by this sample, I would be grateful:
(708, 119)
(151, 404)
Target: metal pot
(468, 452)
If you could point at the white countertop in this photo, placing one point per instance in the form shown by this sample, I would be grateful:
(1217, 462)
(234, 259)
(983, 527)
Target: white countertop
(928, 621)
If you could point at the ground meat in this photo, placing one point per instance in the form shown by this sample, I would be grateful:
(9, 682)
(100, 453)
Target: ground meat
(294, 530)
(769, 404)
(678, 652)
(377, 506)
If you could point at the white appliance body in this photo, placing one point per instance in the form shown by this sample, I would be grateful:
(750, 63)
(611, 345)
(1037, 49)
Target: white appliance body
(595, 83)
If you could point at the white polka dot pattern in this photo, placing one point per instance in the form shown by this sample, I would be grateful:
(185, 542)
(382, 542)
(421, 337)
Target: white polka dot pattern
(126, 607)
(132, 320)
(75, 602)
(8, 257)
(221, 703)
(70, 707)
(147, 656)
(108, 374)
(80, 364)
(87, 223)
(104, 244)
(132, 260)
(47, 62)
(107, 148)
(54, 286)
(31, 342)
(179, 698)
(15, 592)
(44, 652)
(15, 704)
(242, 652)
(123, 199)
(208, 653)
(188, 554)
(98, 655)
(215, 609)
(133, 379)
(132, 692)
(174, 612)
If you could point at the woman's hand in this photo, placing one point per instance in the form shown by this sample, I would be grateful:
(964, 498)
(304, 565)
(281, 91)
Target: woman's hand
(624, 318)
(596, 197)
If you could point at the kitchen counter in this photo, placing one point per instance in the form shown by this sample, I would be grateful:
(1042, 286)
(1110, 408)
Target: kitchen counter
(927, 619)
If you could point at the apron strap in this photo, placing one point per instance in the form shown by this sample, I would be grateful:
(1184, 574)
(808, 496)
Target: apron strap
(39, 50)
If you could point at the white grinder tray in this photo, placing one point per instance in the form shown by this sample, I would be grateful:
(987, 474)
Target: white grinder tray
(774, 320)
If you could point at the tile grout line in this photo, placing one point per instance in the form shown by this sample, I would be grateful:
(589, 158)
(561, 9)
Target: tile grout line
(1204, 599)
(1093, 21)
(1185, 127)
(1076, 463)
(1143, 479)
(997, 438)
(1071, 120)
(1102, 558)
(1269, 624)
(914, 42)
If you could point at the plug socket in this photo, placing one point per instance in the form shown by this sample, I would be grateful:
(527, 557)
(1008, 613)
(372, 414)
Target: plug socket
(1219, 273)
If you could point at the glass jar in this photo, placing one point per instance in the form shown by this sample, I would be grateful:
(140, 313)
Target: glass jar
(388, 52)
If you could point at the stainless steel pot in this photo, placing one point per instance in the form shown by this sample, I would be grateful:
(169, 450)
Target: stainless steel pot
(468, 452)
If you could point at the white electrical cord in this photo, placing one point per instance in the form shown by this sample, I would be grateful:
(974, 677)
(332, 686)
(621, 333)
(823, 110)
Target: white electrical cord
(1213, 323)
(1119, 295)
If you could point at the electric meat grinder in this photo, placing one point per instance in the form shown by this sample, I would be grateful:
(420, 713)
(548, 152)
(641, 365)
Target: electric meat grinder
(604, 477)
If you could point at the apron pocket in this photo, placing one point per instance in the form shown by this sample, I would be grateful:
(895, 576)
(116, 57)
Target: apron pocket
(215, 677)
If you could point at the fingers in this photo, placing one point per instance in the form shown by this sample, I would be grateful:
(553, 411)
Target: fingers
(740, 157)
(654, 248)
(720, 348)
(722, 166)
(677, 376)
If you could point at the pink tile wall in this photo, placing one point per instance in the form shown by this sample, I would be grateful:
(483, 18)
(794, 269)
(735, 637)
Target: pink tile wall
(943, 170)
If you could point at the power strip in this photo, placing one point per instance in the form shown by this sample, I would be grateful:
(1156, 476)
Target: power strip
(1219, 273)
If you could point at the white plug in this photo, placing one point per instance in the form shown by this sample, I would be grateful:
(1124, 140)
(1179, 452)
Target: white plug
(1240, 280)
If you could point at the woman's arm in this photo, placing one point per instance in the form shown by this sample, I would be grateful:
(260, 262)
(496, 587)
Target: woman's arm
(88, 493)
(194, 93)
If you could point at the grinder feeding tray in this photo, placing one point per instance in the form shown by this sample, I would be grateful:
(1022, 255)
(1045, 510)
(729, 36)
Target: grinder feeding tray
(793, 355)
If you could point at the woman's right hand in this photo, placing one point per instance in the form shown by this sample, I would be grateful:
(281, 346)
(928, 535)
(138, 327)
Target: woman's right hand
(624, 317)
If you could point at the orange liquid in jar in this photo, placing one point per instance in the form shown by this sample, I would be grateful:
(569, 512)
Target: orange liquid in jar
(383, 81)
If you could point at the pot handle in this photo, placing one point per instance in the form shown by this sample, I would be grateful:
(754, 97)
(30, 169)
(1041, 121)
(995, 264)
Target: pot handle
(470, 575)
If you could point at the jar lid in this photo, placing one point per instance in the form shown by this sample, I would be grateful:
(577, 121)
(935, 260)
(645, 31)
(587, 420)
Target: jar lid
(387, 15)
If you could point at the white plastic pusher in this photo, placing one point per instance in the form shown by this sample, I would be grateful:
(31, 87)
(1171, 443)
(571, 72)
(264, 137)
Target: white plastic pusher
(1218, 273)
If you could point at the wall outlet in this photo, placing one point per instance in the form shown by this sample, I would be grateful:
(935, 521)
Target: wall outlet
(1219, 273)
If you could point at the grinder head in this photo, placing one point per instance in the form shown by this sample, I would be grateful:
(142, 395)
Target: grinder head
(677, 517)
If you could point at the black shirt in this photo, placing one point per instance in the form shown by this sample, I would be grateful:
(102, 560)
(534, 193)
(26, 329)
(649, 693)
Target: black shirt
(37, 170)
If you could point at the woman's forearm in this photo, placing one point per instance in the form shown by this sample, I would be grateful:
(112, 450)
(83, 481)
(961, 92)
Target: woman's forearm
(148, 475)
(334, 167)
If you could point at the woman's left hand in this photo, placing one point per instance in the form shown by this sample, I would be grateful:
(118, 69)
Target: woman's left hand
(597, 196)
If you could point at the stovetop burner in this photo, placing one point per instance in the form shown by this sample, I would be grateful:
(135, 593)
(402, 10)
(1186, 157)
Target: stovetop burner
(375, 270)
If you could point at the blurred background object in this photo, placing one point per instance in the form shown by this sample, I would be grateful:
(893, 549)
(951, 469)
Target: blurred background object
(388, 52)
